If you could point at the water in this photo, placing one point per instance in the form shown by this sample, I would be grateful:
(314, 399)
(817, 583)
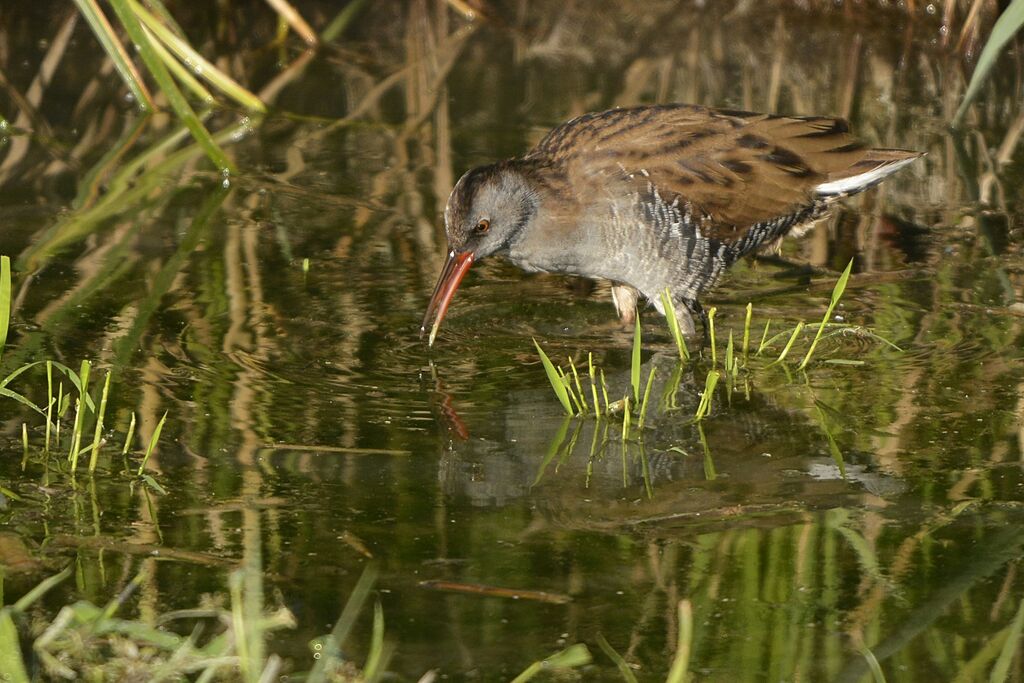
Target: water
(311, 432)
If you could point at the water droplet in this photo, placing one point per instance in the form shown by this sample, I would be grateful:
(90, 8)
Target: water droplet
(226, 183)
(943, 30)
(930, 8)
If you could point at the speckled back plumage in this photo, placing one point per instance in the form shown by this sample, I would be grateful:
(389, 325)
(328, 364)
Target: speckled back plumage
(659, 197)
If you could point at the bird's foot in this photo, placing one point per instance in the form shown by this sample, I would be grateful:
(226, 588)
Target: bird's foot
(625, 297)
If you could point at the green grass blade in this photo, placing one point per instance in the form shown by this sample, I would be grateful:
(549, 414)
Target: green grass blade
(82, 404)
(341, 21)
(764, 337)
(620, 663)
(152, 443)
(568, 389)
(582, 402)
(730, 360)
(333, 643)
(681, 661)
(569, 658)
(41, 589)
(704, 407)
(20, 399)
(604, 393)
(593, 384)
(647, 398)
(5, 301)
(634, 367)
(199, 64)
(371, 670)
(626, 422)
(553, 449)
(746, 331)
(105, 33)
(837, 293)
(876, 669)
(129, 435)
(11, 662)
(98, 433)
(1009, 23)
(182, 74)
(792, 338)
(556, 382)
(711, 331)
(1009, 651)
(49, 404)
(166, 83)
(673, 325)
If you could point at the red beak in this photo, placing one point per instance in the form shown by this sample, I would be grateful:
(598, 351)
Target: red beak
(455, 268)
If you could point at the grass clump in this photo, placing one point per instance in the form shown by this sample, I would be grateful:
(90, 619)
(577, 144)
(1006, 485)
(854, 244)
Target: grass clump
(224, 642)
(577, 400)
(58, 405)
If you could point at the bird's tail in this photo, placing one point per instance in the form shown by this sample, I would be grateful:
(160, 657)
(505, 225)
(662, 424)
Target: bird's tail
(870, 170)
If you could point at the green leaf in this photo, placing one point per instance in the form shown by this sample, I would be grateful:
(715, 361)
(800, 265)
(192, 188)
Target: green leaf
(624, 670)
(105, 33)
(837, 293)
(11, 663)
(166, 83)
(1011, 21)
(556, 382)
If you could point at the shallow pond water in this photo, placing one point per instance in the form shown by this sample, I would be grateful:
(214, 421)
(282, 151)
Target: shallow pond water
(817, 521)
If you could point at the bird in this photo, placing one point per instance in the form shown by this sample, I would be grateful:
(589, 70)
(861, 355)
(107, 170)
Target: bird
(654, 198)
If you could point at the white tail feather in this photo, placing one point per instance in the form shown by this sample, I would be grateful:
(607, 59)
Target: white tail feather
(861, 181)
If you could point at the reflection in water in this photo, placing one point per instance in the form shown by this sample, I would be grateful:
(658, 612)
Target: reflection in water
(309, 429)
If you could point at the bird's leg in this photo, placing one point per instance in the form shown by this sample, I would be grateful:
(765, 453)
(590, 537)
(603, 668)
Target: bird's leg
(693, 311)
(625, 297)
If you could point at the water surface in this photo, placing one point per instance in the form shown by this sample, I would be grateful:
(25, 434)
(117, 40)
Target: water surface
(812, 515)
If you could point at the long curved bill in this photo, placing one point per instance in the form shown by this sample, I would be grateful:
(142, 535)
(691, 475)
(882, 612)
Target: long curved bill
(455, 268)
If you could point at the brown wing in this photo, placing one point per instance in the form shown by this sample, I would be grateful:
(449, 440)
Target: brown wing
(737, 168)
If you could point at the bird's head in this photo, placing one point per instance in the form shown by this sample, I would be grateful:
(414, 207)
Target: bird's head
(488, 209)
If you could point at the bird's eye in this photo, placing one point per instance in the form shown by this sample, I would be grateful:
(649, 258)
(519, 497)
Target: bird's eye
(482, 227)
